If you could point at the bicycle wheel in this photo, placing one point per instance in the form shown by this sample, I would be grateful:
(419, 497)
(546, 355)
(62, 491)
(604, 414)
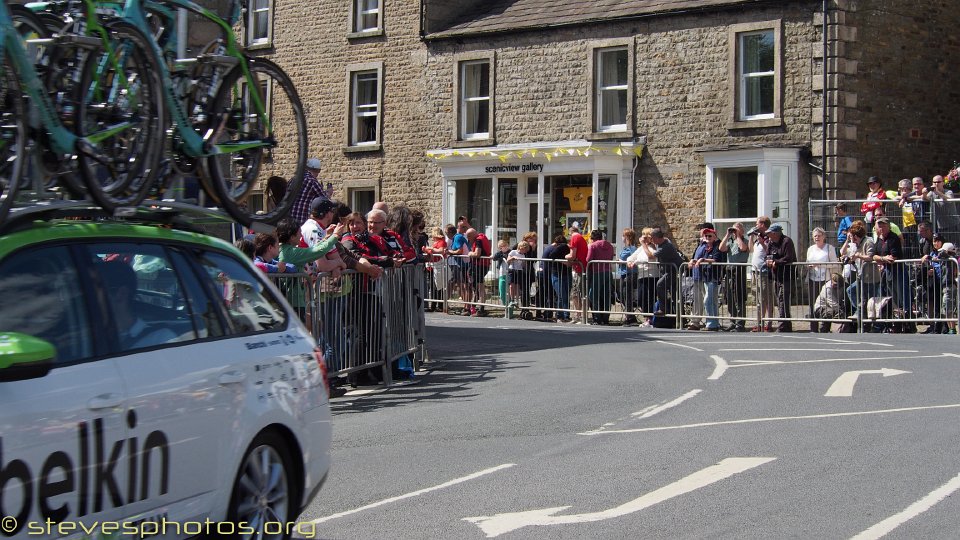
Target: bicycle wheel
(236, 172)
(121, 87)
(13, 137)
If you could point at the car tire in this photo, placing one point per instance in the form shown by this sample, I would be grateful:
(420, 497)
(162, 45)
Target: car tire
(265, 489)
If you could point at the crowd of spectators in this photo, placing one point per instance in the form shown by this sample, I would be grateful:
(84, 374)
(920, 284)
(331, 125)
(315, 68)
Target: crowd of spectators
(856, 278)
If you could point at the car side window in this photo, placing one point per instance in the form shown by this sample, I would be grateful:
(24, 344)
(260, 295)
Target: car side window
(143, 294)
(249, 306)
(43, 297)
(205, 311)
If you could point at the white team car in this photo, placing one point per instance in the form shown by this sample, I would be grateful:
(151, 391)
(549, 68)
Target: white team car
(152, 383)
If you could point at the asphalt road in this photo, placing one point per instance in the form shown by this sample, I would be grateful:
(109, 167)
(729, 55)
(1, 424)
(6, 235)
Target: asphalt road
(530, 430)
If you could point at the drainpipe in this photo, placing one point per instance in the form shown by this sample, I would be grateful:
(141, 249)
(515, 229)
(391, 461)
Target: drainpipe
(823, 151)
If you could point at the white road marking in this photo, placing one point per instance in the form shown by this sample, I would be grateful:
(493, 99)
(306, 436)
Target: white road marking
(780, 349)
(847, 342)
(648, 412)
(416, 493)
(773, 419)
(720, 369)
(499, 524)
(678, 345)
(749, 363)
(881, 529)
(843, 386)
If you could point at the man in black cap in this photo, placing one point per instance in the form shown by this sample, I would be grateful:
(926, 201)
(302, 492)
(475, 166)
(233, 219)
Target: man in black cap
(781, 253)
(321, 216)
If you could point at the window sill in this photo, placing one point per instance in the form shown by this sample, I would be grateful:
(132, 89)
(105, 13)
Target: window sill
(473, 142)
(610, 135)
(365, 34)
(750, 124)
(362, 148)
(259, 45)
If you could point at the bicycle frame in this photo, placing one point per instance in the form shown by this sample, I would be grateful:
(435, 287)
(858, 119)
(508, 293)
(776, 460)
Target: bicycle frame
(195, 145)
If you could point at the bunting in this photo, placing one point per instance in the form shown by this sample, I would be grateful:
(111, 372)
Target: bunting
(545, 153)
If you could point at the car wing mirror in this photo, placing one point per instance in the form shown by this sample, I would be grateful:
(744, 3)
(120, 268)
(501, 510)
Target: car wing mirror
(24, 357)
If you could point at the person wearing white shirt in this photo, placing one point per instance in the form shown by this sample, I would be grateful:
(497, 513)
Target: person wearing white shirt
(818, 274)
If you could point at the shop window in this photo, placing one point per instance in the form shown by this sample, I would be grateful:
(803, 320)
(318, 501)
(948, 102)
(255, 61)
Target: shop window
(259, 23)
(366, 17)
(757, 74)
(475, 100)
(473, 198)
(365, 110)
(612, 76)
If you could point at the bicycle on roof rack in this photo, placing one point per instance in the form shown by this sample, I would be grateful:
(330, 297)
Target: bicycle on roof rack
(236, 120)
(123, 93)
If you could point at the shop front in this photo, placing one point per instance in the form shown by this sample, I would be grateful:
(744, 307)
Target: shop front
(509, 190)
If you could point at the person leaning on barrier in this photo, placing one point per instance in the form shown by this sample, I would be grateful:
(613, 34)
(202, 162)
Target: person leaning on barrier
(867, 282)
(628, 276)
(577, 258)
(479, 246)
(599, 278)
(928, 286)
(559, 273)
(874, 195)
(761, 272)
(781, 254)
(663, 251)
(647, 272)
(894, 278)
(818, 274)
(944, 211)
(266, 249)
(734, 246)
(930, 265)
(707, 276)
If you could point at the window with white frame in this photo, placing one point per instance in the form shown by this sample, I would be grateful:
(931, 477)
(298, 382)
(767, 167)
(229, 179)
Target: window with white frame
(364, 128)
(757, 74)
(745, 184)
(366, 15)
(475, 110)
(612, 76)
(259, 23)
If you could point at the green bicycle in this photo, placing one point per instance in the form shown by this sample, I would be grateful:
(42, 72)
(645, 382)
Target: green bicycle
(118, 118)
(236, 120)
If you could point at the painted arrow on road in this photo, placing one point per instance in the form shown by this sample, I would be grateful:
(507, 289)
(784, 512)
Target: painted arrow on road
(843, 386)
(503, 523)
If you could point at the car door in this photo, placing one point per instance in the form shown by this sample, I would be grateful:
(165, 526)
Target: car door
(166, 351)
(63, 449)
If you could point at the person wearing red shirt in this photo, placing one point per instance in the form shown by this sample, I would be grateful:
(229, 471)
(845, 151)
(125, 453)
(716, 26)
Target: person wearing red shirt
(577, 259)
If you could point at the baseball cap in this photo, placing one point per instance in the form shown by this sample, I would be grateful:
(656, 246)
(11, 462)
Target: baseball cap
(709, 231)
(873, 179)
(321, 206)
(575, 226)
(313, 163)
(776, 228)
(948, 247)
(883, 219)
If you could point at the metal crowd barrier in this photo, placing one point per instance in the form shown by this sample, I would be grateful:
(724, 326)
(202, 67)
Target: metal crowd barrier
(362, 323)
(943, 215)
(792, 297)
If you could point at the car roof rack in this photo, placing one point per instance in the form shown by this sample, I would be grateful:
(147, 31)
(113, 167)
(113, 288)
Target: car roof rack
(178, 215)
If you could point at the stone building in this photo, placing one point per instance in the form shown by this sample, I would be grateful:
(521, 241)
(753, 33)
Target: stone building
(529, 115)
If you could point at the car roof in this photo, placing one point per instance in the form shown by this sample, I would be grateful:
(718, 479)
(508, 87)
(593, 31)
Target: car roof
(48, 231)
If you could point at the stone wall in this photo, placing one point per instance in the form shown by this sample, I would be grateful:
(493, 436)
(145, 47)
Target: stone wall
(893, 67)
(900, 77)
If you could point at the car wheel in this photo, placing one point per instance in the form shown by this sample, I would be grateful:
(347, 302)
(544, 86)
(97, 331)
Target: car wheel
(264, 491)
